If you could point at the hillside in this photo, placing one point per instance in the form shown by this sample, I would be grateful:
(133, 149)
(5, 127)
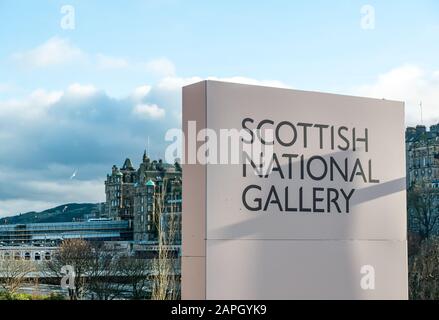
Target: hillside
(64, 213)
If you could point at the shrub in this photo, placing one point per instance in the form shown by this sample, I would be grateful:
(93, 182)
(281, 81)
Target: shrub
(26, 296)
(424, 271)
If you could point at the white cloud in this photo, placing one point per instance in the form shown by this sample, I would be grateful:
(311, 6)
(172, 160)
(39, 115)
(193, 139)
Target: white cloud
(80, 90)
(245, 80)
(42, 97)
(5, 87)
(149, 111)
(45, 194)
(69, 190)
(55, 51)
(141, 92)
(37, 189)
(81, 126)
(107, 62)
(31, 107)
(411, 84)
(60, 51)
(13, 206)
(161, 67)
(50, 134)
(176, 83)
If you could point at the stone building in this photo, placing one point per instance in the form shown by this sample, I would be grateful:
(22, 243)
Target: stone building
(148, 197)
(422, 160)
(422, 155)
(27, 252)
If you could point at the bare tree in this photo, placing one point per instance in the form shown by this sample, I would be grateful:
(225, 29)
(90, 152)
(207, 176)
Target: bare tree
(423, 207)
(424, 271)
(165, 265)
(104, 273)
(13, 273)
(136, 273)
(78, 254)
(414, 242)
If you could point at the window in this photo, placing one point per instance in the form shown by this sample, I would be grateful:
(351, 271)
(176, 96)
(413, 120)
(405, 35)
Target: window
(7, 256)
(27, 256)
(17, 256)
(37, 256)
(47, 256)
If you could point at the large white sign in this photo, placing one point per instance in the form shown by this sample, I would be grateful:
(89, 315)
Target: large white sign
(322, 216)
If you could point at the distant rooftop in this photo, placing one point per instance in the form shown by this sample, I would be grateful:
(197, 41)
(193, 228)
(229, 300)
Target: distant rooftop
(420, 132)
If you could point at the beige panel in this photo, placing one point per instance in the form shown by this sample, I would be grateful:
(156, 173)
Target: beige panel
(295, 255)
(254, 269)
(194, 177)
(193, 283)
(378, 211)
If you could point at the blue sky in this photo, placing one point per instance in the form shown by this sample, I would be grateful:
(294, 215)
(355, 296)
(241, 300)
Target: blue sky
(84, 99)
(307, 44)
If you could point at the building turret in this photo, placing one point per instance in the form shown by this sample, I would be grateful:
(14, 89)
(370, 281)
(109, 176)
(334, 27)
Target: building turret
(145, 157)
(177, 166)
(128, 165)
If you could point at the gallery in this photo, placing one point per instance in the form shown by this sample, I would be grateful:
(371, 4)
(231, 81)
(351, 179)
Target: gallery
(302, 200)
